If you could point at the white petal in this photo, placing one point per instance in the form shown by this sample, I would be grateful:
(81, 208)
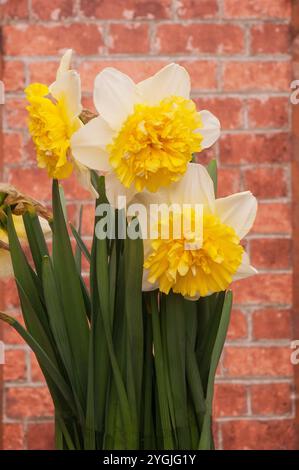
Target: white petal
(117, 194)
(238, 211)
(83, 175)
(210, 130)
(88, 145)
(45, 227)
(65, 63)
(68, 87)
(114, 96)
(146, 285)
(245, 269)
(172, 80)
(195, 187)
(6, 269)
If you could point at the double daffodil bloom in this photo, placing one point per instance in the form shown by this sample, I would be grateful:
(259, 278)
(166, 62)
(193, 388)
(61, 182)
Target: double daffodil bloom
(216, 257)
(53, 118)
(6, 269)
(146, 133)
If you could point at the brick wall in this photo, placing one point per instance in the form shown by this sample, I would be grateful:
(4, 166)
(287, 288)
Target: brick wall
(238, 54)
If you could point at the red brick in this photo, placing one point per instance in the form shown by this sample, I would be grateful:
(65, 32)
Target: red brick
(270, 39)
(190, 9)
(129, 38)
(257, 76)
(15, 365)
(266, 182)
(200, 38)
(13, 76)
(54, 10)
(273, 218)
(28, 402)
(88, 219)
(202, 73)
(269, 323)
(32, 181)
(259, 435)
(73, 190)
(271, 253)
(228, 181)
(126, 9)
(268, 112)
(230, 400)
(257, 361)
(13, 147)
(257, 9)
(264, 288)
(36, 373)
(271, 399)
(15, 113)
(40, 436)
(238, 325)
(10, 294)
(13, 437)
(42, 72)
(228, 110)
(50, 40)
(14, 9)
(255, 148)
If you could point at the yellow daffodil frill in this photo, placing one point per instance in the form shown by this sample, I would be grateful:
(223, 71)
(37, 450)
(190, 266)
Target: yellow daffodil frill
(51, 129)
(155, 143)
(202, 271)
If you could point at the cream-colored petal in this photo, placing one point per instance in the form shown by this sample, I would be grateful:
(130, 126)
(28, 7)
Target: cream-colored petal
(83, 175)
(45, 227)
(238, 211)
(114, 96)
(172, 80)
(65, 63)
(117, 194)
(146, 285)
(88, 145)
(195, 187)
(67, 88)
(245, 269)
(210, 130)
(6, 269)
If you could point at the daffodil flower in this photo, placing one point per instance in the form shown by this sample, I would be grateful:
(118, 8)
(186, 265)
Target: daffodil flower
(216, 257)
(146, 133)
(6, 269)
(53, 118)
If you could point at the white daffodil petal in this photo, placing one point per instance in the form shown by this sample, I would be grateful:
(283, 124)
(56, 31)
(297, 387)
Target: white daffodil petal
(238, 211)
(88, 145)
(67, 88)
(146, 285)
(83, 175)
(45, 227)
(117, 194)
(210, 130)
(245, 269)
(6, 269)
(172, 80)
(65, 63)
(114, 96)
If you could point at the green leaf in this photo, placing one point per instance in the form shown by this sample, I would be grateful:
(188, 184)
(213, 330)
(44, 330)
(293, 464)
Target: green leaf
(36, 239)
(206, 440)
(212, 170)
(70, 292)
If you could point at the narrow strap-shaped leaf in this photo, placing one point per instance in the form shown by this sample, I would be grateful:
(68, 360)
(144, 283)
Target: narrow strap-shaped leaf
(42, 357)
(69, 288)
(206, 440)
(36, 240)
(80, 243)
(213, 172)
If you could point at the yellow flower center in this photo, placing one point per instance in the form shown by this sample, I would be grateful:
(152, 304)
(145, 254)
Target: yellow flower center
(156, 143)
(51, 129)
(196, 271)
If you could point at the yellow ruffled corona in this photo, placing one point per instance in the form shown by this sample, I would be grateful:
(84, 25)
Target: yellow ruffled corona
(51, 129)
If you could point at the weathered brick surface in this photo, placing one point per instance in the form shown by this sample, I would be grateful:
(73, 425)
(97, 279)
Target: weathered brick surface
(238, 55)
